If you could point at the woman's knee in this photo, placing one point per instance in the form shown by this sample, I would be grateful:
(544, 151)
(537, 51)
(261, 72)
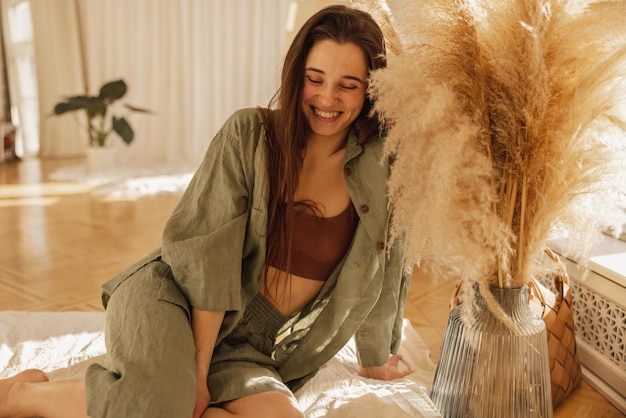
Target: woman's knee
(267, 405)
(147, 319)
(150, 360)
(284, 406)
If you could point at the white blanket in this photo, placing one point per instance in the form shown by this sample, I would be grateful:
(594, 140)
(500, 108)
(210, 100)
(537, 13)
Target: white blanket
(64, 343)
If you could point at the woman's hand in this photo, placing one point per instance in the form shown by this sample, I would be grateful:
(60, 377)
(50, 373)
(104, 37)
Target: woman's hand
(387, 371)
(203, 398)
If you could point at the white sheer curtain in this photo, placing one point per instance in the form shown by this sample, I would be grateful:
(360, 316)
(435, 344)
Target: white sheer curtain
(193, 62)
(58, 59)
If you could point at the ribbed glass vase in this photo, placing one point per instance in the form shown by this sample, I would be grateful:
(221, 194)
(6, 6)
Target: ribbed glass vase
(486, 370)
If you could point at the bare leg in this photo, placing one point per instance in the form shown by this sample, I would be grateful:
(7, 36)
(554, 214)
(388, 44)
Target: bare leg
(11, 388)
(266, 404)
(29, 394)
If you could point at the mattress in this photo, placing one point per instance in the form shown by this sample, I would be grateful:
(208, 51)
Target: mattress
(64, 344)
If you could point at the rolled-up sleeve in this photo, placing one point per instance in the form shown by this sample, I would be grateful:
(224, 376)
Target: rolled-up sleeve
(203, 240)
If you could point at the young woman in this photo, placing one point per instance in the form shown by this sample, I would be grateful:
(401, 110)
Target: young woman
(274, 258)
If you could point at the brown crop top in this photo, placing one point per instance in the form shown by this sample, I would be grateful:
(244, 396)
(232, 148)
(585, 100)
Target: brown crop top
(319, 244)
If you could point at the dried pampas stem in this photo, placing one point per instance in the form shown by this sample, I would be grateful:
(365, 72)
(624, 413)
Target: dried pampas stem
(522, 217)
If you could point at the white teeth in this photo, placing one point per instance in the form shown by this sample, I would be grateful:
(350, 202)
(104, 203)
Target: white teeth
(326, 115)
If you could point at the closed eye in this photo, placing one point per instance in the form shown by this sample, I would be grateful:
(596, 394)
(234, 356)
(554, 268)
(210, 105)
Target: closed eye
(313, 80)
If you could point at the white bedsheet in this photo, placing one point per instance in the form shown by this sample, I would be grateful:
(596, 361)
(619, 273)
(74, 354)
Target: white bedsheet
(64, 343)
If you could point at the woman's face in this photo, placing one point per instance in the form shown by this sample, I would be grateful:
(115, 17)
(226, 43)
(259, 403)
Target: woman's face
(334, 88)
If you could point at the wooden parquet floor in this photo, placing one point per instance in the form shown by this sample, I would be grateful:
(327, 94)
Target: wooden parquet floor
(59, 241)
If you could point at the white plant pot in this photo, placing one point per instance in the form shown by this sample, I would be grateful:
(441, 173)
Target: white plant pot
(100, 160)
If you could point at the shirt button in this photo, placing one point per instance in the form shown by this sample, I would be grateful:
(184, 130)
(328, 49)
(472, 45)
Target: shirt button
(347, 171)
(380, 246)
(364, 209)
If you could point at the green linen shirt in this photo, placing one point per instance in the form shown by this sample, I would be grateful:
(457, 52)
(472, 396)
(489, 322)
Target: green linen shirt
(215, 245)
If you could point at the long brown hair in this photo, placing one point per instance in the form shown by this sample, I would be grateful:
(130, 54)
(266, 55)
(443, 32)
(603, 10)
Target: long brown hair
(285, 123)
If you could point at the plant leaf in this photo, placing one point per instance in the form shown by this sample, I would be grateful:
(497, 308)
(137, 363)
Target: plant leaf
(61, 108)
(123, 129)
(73, 103)
(112, 90)
(138, 109)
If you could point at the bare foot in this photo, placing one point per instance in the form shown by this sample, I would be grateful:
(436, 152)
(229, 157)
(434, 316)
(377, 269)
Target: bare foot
(8, 386)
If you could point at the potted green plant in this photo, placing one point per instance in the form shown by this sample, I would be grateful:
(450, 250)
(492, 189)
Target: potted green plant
(101, 122)
(96, 109)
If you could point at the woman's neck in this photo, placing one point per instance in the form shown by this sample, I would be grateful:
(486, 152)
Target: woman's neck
(325, 146)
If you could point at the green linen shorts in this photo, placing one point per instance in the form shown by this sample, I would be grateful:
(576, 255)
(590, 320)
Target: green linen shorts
(149, 368)
(242, 363)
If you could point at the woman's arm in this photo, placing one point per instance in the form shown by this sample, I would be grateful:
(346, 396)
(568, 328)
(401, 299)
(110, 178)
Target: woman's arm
(205, 326)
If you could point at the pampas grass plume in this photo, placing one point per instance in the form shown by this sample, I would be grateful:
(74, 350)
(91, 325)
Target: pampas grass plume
(506, 125)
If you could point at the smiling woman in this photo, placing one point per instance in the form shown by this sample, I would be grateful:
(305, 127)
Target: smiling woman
(228, 278)
(334, 91)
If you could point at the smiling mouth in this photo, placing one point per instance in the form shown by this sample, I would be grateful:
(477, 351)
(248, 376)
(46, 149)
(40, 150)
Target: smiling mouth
(326, 115)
